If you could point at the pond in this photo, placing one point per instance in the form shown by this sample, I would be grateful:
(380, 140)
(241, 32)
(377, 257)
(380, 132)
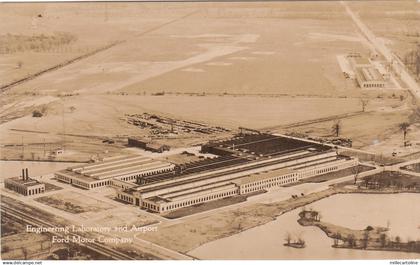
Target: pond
(356, 211)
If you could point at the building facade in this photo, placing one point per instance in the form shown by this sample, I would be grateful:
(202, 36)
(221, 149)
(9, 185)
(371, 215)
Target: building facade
(24, 184)
(112, 171)
(255, 176)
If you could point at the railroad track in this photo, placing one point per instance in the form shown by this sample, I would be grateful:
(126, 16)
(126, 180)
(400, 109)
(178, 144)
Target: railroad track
(99, 248)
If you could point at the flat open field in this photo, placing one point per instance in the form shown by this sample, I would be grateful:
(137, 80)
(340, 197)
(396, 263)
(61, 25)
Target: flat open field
(228, 64)
(396, 22)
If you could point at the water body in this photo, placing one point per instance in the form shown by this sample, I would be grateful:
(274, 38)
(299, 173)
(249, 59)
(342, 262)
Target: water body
(14, 168)
(351, 210)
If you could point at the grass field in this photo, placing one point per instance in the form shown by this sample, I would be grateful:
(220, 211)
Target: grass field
(229, 64)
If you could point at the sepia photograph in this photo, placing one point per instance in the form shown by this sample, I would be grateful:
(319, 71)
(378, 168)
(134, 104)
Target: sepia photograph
(210, 130)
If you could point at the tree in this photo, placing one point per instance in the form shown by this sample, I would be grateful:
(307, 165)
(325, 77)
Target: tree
(288, 238)
(319, 217)
(351, 240)
(383, 239)
(412, 60)
(369, 228)
(397, 241)
(336, 128)
(25, 253)
(365, 239)
(404, 128)
(37, 114)
(364, 102)
(337, 238)
(355, 170)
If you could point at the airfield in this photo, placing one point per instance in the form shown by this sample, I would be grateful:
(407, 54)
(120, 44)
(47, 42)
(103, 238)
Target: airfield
(268, 66)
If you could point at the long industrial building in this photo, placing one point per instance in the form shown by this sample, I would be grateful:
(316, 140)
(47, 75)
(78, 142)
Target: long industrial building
(118, 171)
(245, 164)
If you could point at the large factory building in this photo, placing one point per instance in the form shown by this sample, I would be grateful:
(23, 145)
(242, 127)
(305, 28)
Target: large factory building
(245, 164)
(117, 171)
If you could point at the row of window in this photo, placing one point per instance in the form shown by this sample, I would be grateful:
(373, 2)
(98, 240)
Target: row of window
(24, 190)
(253, 184)
(320, 171)
(79, 183)
(100, 184)
(153, 172)
(63, 178)
(125, 198)
(374, 85)
(128, 178)
(191, 202)
(36, 191)
(268, 184)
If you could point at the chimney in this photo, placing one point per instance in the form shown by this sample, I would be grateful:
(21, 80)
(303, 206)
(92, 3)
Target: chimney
(27, 175)
(23, 174)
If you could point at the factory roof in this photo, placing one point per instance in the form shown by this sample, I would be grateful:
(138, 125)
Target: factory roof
(202, 192)
(263, 175)
(26, 182)
(73, 175)
(115, 167)
(368, 74)
(361, 60)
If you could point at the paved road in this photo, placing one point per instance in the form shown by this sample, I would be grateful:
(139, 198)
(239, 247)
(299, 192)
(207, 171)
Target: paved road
(391, 58)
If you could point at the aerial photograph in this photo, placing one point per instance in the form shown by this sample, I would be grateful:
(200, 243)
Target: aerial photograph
(210, 130)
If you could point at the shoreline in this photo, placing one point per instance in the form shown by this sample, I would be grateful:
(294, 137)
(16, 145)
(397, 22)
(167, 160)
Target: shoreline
(329, 192)
(371, 238)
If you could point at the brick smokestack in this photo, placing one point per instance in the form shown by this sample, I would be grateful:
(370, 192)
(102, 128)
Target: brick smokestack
(27, 174)
(23, 174)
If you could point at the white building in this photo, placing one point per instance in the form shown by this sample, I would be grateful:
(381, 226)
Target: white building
(113, 171)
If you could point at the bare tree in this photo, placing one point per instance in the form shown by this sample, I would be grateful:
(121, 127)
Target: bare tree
(336, 128)
(364, 102)
(351, 240)
(365, 239)
(72, 108)
(288, 238)
(25, 253)
(337, 237)
(404, 128)
(397, 241)
(412, 60)
(355, 170)
(319, 217)
(383, 239)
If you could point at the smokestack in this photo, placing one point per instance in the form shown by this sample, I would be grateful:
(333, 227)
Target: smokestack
(23, 174)
(27, 174)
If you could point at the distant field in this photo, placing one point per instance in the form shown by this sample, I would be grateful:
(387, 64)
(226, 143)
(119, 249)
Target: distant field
(101, 114)
(395, 21)
(254, 65)
(275, 48)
